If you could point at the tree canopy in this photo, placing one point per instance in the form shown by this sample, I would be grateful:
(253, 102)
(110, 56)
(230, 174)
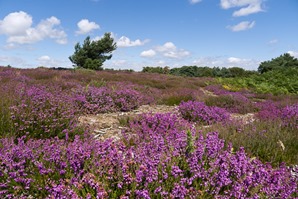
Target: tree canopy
(284, 61)
(92, 54)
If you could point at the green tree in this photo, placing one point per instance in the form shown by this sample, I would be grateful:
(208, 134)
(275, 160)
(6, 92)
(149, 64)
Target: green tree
(92, 54)
(237, 72)
(282, 62)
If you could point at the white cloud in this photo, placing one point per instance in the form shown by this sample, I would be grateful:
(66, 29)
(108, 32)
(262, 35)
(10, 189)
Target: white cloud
(168, 50)
(177, 54)
(148, 53)
(168, 46)
(244, 25)
(293, 53)
(234, 60)
(247, 6)
(18, 27)
(15, 23)
(47, 61)
(219, 61)
(241, 62)
(194, 1)
(85, 26)
(44, 58)
(126, 42)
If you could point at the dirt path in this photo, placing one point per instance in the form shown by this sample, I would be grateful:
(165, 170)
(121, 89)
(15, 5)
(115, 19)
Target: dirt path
(109, 125)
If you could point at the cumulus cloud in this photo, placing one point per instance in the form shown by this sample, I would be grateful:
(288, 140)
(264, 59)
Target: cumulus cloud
(126, 42)
(148, 53)
(47, 61)
(171, 51)
(235, 60)
(293, 53)
(244, 25)
(17, 26)
(194, 1)
(167, 47)
(85, 26)
(15, 23)
(247, 6)
(242, 62)
(219, 61)
(177, 54)
(167, 50)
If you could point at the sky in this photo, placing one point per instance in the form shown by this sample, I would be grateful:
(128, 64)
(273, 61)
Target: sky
(174, 33)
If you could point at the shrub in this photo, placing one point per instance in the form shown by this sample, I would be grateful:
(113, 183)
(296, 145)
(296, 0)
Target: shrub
(42, 114)
(289, 116)
(199, 112)
(160, 166)
(93, 100)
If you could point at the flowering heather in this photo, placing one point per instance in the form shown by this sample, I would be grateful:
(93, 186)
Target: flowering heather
(289, 116)
(234, 102)
(269, 110)
(272, 111)
(199, 112)
(153, 165)
(93, 100)
(40, 113)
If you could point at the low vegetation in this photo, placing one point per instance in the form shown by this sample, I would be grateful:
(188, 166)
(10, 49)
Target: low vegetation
(225, 140)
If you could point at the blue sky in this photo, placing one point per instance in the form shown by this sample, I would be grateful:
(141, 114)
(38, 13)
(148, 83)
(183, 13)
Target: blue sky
(173, 33)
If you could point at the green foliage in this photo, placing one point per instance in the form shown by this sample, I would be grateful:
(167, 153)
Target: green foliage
(231, 103)
(190, 143)
(282, 62)
(92, 54)
(5, 121)
(174, 100)
(278, 81)
(195, 71)
(262, 139)
(158, 69)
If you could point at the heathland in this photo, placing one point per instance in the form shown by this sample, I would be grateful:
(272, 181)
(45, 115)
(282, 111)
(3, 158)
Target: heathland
(222, 137)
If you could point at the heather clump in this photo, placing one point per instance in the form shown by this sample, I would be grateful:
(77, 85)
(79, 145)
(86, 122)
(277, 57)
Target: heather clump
(289, 116)
(173, 97)
(157, 159)
(275, 111)
(93, 100)
(268, 110)
(199, 112)
(234, 102)
(269, 141)
(39, 113)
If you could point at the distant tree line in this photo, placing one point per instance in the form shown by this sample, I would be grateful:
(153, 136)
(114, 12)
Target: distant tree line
(195, 71)
(281, 63)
